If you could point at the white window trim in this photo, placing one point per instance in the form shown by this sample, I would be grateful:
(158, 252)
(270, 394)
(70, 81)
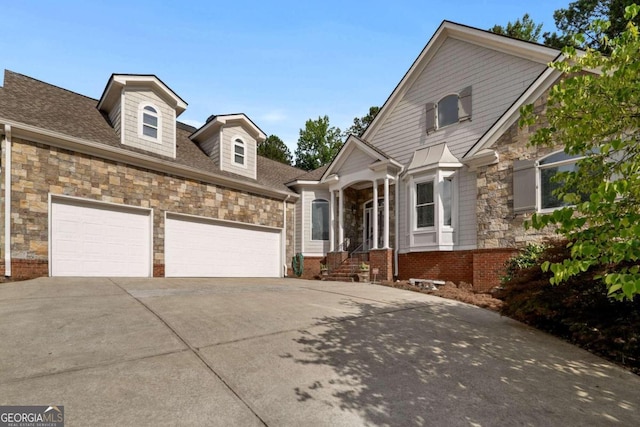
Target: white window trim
(451, 175)
(141, 112)
(457, 95)
(311, 219)
(539, 168)
(414, 204)
(234, 143)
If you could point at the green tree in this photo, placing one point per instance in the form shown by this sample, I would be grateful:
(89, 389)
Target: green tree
(273, 148)
(318, 144)
(524, 29)
(361, 123)
(597, 115)
(579, 17)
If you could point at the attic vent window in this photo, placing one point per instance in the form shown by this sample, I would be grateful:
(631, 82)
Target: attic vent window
(238, 152)
(149, 122)
(451, 109)
(448, 111)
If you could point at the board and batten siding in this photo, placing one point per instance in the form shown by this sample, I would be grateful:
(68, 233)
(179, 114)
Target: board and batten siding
(229, 134)
(312, 247)
(497, 80)
(133, 97)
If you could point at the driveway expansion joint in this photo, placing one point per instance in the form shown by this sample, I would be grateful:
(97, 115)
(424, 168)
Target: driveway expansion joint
(195, 351)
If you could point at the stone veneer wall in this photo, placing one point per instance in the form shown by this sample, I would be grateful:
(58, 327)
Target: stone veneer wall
(38, 170)
(498, 226)
(354, 215)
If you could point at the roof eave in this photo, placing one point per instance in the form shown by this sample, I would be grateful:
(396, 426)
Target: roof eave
(222, 120)
(532, 51)
(108, 152)
(117, 81)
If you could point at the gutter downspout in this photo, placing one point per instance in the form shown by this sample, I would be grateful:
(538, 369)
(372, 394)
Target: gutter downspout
(7, 201)
(395, 225)
(284, 236)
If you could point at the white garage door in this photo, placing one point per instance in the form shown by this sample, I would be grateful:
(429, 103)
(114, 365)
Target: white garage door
(93, 239)
(203, 248)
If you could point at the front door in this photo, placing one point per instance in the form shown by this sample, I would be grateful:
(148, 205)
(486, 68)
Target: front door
(368, 224)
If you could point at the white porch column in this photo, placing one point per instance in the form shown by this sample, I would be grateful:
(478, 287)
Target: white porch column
(375, 215)
(332, 222)
(341, 219)
(386, 213)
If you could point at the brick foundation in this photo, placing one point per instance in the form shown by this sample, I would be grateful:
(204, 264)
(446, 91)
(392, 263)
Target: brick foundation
(381, 259)
(311, 268)
(482, 267)
(488, 267)
(158, 270)
(22, 269)
(335, 259)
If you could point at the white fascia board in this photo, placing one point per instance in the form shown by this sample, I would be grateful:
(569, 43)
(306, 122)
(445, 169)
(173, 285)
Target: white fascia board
(294, 183)
(118, 81)
(523, 49)
(483, 157)
(56, 139)
(531, 51)
(349, 146)
(223, 120)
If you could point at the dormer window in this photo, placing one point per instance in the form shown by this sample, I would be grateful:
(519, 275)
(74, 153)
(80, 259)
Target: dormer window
(238, 152)
(150, 122)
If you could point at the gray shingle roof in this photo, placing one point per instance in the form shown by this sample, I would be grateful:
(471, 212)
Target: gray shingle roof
(313, 175)
(36, 103)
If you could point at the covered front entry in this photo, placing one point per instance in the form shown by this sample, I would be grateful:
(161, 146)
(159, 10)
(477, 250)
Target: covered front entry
(203, 247)
(96, 239)
(357, 177)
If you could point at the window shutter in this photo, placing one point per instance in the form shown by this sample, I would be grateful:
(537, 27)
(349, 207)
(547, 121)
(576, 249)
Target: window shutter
(430, 116)
(524, 186)
(464, 104)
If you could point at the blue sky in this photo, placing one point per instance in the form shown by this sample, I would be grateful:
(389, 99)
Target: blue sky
(280, 62)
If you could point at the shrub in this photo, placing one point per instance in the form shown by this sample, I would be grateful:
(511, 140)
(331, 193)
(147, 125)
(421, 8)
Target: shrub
(526, 258)
(577, 310)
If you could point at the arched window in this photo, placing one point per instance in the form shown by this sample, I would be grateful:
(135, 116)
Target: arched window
(150, 122)
(448, 110)
(320, 220)
(238, 151)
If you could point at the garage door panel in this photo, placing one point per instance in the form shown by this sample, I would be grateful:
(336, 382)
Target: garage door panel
(195, 248)
(89, 239)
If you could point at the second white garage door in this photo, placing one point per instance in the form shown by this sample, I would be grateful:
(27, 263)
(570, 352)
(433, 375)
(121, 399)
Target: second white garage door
(196, 247)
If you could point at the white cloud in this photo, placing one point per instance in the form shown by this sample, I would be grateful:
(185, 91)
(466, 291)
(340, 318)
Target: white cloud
(274, 116)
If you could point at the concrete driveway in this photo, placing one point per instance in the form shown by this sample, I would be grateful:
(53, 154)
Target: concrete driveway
(242, 352)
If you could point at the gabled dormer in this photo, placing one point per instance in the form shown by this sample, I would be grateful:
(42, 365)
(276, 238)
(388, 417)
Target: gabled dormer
(231, 140)
(143, 112)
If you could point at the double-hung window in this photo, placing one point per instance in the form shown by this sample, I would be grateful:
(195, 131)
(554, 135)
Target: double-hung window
(238, 152)
(150, 122)
(425, 205)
